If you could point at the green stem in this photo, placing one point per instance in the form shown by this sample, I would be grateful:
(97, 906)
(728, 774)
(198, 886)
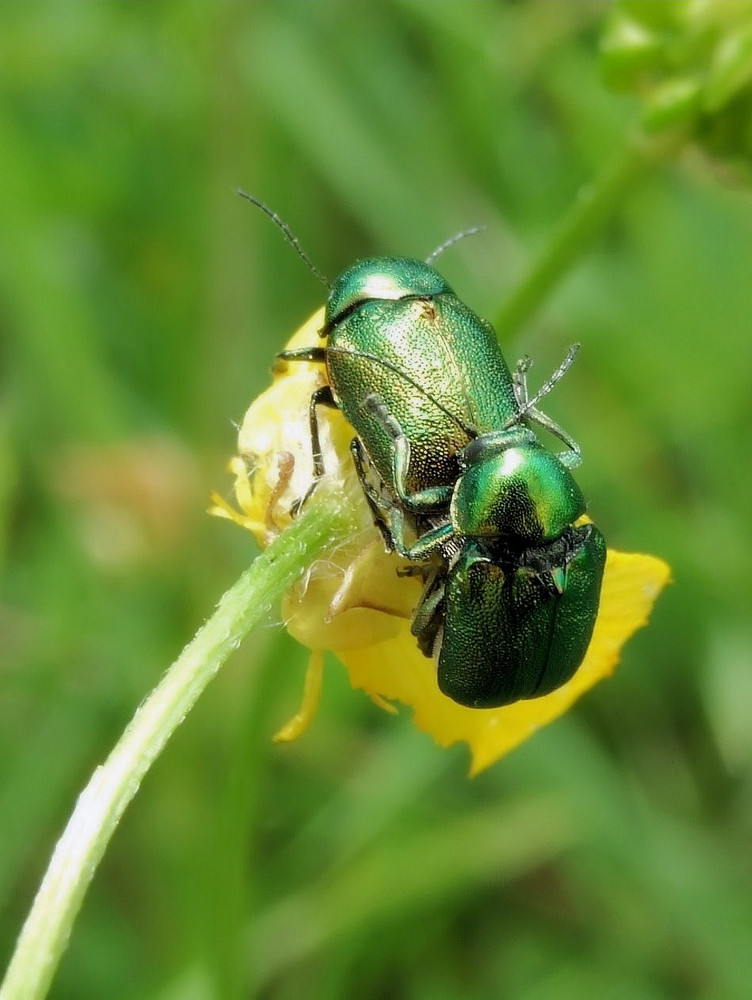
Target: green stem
(593, 208)
(112, 786)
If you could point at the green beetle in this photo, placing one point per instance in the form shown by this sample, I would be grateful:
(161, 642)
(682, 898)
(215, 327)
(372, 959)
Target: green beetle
(533, 613)
(505, 626)
(446, 454)
(396, 331)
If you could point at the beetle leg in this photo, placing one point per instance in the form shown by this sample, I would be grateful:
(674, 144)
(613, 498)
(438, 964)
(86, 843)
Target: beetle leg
(571, 458)
(426, 545)
(390, 519)
(429, 614)
(321, 397)
(316, 354)
(519, 380)
(418, 569)
(375, 501)
(426, 501)
(423, 501)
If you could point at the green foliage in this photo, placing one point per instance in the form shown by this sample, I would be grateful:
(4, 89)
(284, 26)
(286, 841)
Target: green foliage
(141, 304)
(691, 62)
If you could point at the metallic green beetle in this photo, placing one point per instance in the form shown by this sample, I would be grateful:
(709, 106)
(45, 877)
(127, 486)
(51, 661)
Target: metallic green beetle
(459, 482)
(506, 626)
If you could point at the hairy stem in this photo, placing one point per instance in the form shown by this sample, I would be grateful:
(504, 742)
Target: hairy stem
(112, 786)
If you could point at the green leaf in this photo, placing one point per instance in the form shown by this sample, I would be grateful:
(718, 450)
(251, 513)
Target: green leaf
(731, 70)
(629, 52)
(673, 103)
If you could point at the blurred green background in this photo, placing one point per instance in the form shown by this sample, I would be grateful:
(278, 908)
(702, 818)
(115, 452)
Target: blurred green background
(141, 304)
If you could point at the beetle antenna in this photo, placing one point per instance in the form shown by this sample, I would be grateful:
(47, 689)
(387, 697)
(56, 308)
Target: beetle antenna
(451, 241)
(544, 390)
(288, 234)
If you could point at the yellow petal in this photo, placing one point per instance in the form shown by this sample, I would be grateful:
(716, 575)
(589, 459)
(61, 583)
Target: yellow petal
(298, 724)
(353, 598)
(396, 670)
(274, 466)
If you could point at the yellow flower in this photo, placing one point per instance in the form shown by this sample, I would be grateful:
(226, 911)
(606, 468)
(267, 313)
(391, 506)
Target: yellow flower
(355, 603)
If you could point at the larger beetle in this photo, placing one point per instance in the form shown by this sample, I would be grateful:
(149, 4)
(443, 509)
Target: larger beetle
(461, 479)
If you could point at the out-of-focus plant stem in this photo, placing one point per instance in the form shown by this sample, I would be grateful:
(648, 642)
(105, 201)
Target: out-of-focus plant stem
(594, 207)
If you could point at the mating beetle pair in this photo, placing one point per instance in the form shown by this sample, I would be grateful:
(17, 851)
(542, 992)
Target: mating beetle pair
(459, 482)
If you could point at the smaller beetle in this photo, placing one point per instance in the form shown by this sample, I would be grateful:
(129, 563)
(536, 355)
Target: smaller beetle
(510, 613)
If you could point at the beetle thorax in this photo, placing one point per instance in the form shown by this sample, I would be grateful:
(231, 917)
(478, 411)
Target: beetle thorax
(488, 446)
(521, 494)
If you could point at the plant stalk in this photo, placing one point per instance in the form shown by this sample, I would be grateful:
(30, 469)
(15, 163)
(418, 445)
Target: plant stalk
(113, 784)
(594, 206)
